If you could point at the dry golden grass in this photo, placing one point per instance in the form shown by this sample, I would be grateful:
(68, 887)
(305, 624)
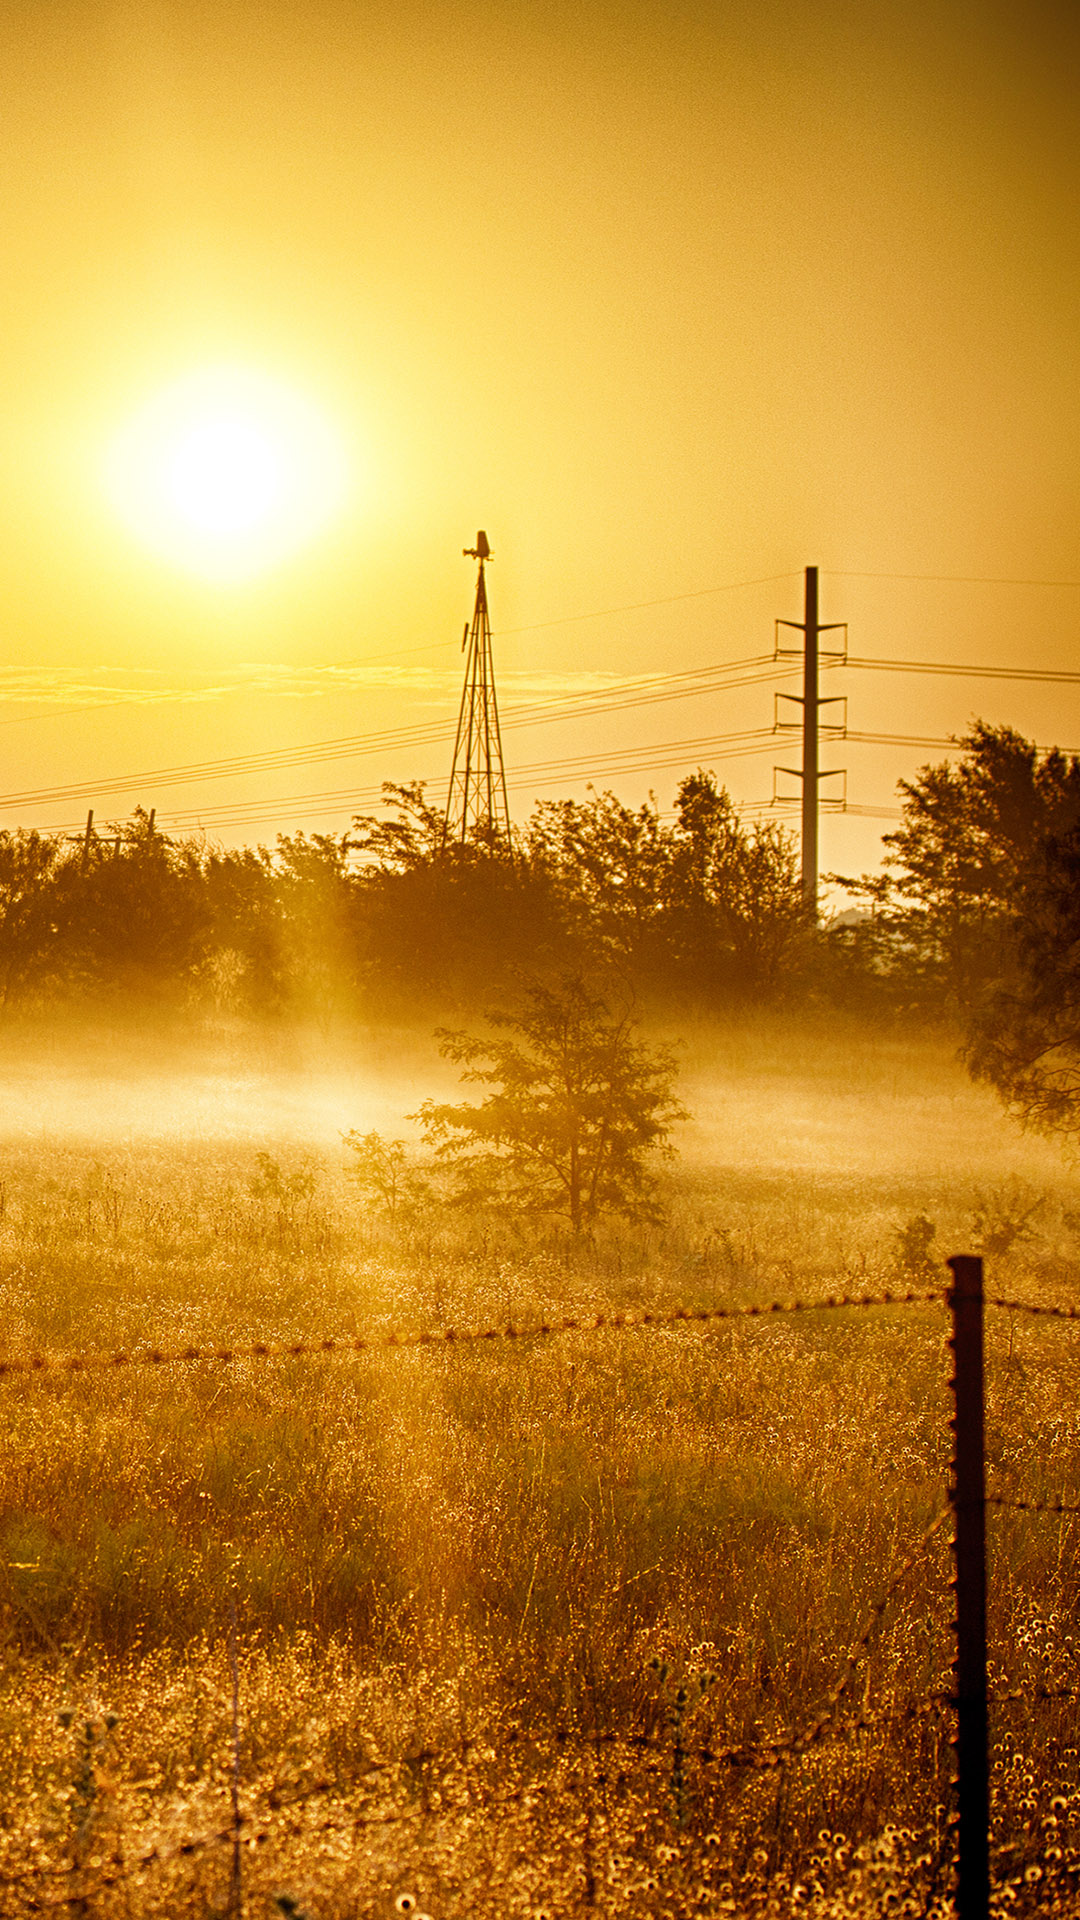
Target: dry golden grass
(495, 1610)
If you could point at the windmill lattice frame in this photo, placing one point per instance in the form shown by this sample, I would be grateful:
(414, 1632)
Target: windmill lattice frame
(477, 808)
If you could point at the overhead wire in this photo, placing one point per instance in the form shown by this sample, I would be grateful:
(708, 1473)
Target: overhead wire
(719, 747)
(621, 696)
(627, 694)
(431, 646)
(649, 690)
(639, 606)
(656, 757)
(1045, 675)
(957, 579)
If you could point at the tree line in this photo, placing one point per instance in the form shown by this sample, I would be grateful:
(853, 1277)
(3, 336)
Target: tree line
(975, 916)
(388, 920)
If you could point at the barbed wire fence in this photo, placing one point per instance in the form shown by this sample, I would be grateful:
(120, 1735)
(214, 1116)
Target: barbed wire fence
(966, 1504)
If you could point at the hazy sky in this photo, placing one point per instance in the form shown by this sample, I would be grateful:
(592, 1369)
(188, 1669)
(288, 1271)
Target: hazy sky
(662, 297)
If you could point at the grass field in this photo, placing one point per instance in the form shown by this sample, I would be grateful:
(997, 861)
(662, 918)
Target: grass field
(461, 1631)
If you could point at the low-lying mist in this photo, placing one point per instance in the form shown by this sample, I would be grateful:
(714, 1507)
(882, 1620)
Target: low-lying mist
(472, 1624)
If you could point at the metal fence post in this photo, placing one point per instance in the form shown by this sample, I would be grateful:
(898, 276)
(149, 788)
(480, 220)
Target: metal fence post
(968, 1496)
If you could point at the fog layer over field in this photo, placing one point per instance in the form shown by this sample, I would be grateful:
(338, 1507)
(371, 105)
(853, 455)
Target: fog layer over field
(840, 1099)
(533, 1625)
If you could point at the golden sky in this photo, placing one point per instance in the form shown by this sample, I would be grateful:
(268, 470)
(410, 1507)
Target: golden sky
(664, 298)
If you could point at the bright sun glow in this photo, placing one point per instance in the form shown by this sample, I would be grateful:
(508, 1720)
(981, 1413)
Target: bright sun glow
(226, 473)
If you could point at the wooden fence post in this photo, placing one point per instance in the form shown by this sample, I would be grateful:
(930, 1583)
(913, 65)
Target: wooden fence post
(968, 1496)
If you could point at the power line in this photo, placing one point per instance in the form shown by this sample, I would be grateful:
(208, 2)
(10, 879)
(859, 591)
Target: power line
(622, 696)
(717, 747)
(647, 690)
(1039, 674)
(627, 694)
(596, 613)
(930, 740)
(957, 579)
(656, 757)
(539, 773)
(637, 606)
(430, 646)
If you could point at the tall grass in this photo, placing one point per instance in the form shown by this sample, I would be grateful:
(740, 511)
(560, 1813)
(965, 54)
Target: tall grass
(493, 1604)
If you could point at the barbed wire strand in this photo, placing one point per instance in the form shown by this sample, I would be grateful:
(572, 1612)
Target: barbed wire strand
(256, 1832)
(1029, 1306)
(773, 1753)
(631, 1318)
(1033, 1506)
(761, 1755)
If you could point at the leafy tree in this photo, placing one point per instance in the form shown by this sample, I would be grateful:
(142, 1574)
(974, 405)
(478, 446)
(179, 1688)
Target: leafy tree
(1024, 1038)
(578, 1109)
(31, 865)
(702, 907)
(316, 895)
(739, 923)
(414, 839)
(135, 923)
(444, 924)
(245, 967)
(382, 1171)
(608, 866)
(969, 843)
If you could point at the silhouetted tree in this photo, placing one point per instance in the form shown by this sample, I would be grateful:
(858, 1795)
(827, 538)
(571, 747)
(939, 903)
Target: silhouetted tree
(445, 926)
(245, 969)
(316, 892)
(739, 924)
(412, 839)
(970, 841)
(701, 907)
(135, 923)
(1024, 1037)
(608, 866)
(577, 1112)
(31, 865)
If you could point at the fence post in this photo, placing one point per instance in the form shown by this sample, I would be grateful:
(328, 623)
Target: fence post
(968, 1496)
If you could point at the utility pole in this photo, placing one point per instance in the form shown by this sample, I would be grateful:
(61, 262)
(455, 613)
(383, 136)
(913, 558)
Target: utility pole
(810, 773)
(811, 702)
(476, 802)
(91, 838)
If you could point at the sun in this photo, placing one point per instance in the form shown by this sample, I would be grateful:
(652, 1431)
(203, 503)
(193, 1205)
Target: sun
(226, 473)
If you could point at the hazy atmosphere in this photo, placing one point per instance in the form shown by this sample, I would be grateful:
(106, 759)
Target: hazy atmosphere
(539, 961)
(665, 300)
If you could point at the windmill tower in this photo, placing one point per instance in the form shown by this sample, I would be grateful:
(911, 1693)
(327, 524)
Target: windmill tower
(476, 805)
